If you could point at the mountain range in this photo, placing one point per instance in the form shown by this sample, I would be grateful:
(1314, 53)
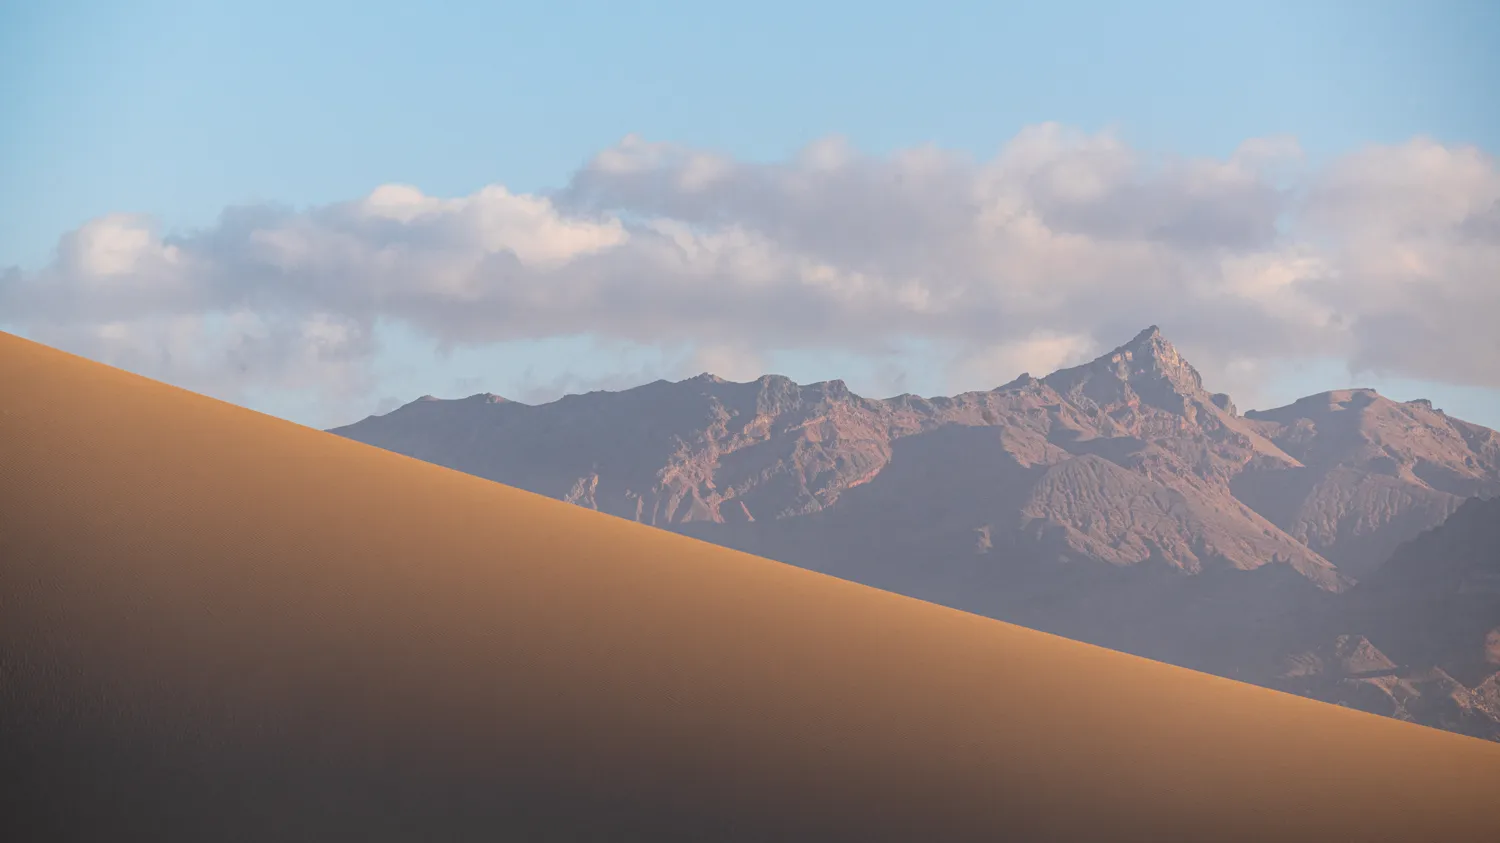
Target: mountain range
(1118, 502)
(223, 626)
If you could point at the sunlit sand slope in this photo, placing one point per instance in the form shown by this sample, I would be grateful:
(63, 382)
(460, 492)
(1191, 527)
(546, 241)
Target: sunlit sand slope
(217, 626)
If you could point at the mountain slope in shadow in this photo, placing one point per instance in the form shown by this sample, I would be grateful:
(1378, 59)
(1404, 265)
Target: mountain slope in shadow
(1419, 639)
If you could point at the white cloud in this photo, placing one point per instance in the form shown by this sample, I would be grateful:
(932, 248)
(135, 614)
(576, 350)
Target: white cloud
(1063, 243)
(117, 245)
(735, 363)
(1412, 238)
(235, 354)
(1037, 354)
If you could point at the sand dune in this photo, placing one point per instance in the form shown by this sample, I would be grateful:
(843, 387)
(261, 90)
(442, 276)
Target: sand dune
(215, 625)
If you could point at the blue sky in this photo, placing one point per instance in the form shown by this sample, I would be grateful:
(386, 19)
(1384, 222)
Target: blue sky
(180, 109)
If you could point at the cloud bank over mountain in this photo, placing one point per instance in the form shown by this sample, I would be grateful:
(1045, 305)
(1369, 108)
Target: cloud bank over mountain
(1387, 258)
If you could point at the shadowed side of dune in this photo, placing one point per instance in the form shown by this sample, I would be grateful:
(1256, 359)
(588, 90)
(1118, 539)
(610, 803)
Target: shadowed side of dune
(215, 625)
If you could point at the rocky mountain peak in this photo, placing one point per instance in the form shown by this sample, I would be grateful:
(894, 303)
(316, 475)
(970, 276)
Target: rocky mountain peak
(1322, 405)
(1149, 334)
(1148, 366)
(1024, 381)
(834, 389)
(1152, 355)
(488, 398)
(706, 378)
